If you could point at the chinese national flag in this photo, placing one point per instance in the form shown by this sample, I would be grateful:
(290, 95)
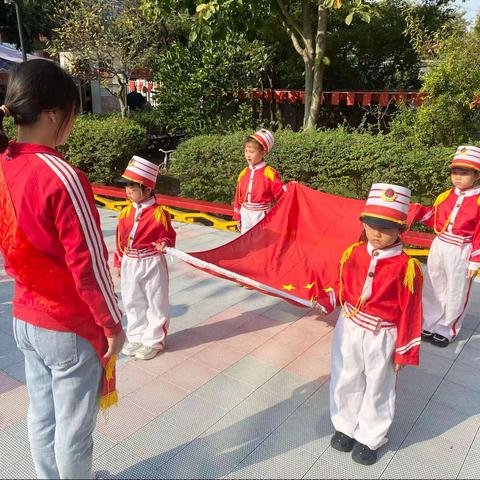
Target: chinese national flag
(297, 247)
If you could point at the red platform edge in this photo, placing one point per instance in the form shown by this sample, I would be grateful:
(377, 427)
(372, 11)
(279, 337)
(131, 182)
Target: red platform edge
(417, 239)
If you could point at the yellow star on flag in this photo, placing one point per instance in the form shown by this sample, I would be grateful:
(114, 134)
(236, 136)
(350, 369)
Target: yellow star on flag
(309, 286)
(288, 287)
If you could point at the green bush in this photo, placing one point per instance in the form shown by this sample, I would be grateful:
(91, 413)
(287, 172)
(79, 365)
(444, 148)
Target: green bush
(102, 146)
(333, 161)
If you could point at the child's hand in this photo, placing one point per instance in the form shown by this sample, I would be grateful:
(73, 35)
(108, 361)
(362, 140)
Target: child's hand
(118, 272)
(317, 308)
(239, 225)
(160, 247)
(398, 367)
(471, 273)
(115, 344)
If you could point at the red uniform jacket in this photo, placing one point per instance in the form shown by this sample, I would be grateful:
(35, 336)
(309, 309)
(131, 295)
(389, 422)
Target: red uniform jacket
(382, 289)
(52, 244)
(455, 218)
(138, 226)
(257, 187)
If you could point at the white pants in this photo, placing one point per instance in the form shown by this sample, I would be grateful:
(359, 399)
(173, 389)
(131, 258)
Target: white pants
(249, 218)
(362, 385)
(446, 288)
(145, 299)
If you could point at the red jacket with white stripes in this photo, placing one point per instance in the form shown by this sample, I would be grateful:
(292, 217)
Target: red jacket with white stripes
(139, 225)
(257, 187)
(455, 218)
(382, 289)
(57, 255)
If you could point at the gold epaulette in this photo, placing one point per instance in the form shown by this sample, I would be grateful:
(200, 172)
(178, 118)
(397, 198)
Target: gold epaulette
(242, 173)
(269, 172)
(410, 273)
(159, 215)
(442, 197)
(125, 211)
(347, 252)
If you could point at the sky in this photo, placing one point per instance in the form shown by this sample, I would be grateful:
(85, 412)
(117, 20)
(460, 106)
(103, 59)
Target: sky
(471, 7)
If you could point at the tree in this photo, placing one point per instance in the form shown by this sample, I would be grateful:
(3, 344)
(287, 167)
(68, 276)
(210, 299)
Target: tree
(305, 22)
(107, 39)
(37, 20)
(452, 83)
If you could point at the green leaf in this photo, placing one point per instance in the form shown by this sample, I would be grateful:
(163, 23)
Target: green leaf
(349, 18)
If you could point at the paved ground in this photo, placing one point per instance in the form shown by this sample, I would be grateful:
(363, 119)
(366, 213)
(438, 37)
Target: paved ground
(242, 392)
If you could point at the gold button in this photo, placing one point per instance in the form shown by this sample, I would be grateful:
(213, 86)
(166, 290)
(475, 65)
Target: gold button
(462, 193)
(370, 274)
(457, 205)
(375, 254)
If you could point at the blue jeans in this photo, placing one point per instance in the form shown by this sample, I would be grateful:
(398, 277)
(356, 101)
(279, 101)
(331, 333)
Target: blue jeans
(63, 376)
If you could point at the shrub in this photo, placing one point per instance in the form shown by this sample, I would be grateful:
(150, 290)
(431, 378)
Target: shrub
(333, 161)
(102, 146)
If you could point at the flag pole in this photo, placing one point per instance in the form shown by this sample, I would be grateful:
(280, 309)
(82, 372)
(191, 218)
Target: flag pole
(234, 276)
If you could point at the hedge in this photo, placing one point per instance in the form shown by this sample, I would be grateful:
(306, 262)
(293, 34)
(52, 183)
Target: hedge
(333, 161)
(101, 146)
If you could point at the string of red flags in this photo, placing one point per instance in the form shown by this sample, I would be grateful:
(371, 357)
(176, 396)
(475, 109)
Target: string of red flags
(349, 98)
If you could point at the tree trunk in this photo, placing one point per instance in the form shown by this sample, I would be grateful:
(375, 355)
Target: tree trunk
(315, 85)
(122, 95)
(308, 89)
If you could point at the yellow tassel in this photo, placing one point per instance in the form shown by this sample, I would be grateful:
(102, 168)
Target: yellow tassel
(409, 278)
(346, 254)
(478, 200)
(269, 172)
(109, 368)
(242, 173)
(109, 400)
(442, 197)
(125, 212)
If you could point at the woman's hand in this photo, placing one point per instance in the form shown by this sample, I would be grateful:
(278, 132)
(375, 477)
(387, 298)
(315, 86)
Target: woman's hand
(317, 308)
(115, 344)
(160, 247)
(239, 225)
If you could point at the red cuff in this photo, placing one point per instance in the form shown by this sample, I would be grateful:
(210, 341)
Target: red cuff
(113, 332)
(406, 359)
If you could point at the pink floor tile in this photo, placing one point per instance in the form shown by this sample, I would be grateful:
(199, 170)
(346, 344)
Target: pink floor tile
(220, 356)
(315, 363)
(310, 326)
(120, 421)
(130, 378)
(157, 396)
(7, 383)
(13, 406)
(190, 375)
(161, 363)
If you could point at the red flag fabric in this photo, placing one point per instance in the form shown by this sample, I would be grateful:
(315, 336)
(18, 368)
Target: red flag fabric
(297, 247)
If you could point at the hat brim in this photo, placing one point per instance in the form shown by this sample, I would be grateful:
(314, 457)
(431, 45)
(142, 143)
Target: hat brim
(463, 166)
(377, 222)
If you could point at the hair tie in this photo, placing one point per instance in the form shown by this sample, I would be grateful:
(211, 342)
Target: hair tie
(5, 111)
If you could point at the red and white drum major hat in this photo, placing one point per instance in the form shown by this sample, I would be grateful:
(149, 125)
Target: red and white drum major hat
(466, 156)
(141, 171)
(265, 138)
(387, 202)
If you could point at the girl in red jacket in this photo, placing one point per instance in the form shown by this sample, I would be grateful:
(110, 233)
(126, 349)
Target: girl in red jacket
(454, 257)
(378, 330)
(258, 185)
(66, 318)
(144, 230)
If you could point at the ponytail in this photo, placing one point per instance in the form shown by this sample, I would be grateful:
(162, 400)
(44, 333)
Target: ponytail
(4, 112)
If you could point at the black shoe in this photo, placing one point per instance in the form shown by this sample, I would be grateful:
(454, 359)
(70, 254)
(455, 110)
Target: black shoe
(341, 442)
(427, 336)
(439, 340)
(362, 454)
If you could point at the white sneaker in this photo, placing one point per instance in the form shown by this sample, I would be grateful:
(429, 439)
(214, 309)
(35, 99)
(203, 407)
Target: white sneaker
(129, 348)
(147, 353)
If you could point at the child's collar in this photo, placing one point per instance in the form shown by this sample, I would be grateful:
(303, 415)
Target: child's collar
(387, 252)
(468, 193)
(257, 166)
(145, 203)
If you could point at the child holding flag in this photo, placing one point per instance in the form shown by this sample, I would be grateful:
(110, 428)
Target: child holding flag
(144, 230)
(258, 185)
(378, 330)
(454, 257)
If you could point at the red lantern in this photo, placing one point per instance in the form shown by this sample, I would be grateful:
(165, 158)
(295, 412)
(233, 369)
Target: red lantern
(367, 99)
